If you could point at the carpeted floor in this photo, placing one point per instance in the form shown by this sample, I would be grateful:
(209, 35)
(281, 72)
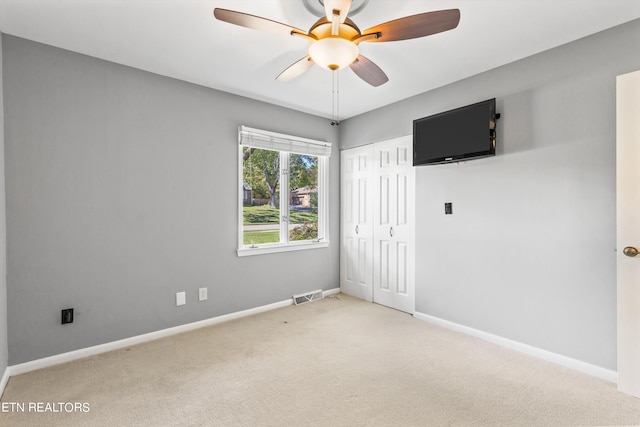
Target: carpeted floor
(335, 362)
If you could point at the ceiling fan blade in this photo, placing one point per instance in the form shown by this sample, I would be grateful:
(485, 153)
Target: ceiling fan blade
(342, 6)
(368, 71)
(296, 69)
(255, 22)
(414, 26)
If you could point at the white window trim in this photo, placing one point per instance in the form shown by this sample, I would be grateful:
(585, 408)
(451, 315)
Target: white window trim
(292, 144)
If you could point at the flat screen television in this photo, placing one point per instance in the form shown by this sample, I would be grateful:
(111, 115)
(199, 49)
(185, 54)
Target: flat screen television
(463, 133)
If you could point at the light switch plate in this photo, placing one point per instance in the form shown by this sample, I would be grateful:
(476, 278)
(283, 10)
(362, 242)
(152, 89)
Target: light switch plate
(202, 294)
(181, 298)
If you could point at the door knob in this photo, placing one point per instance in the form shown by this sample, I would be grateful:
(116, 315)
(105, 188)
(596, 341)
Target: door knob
(630, 251)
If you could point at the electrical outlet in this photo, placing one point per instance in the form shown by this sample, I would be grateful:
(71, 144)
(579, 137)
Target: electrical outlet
(181, 298)
(202, 294)
(67, 316)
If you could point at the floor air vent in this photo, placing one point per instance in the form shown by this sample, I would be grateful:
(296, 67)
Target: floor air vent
(308, 297)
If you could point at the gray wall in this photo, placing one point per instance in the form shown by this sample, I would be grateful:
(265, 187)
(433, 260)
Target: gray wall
(3, 238)
(121, 191)
(528, 253)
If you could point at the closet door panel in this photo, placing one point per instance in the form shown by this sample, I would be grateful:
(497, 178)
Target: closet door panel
(356, 252)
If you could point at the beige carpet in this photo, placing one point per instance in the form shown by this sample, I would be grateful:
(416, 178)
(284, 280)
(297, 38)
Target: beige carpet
(336, 362)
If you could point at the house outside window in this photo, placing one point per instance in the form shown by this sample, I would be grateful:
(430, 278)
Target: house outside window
(283, 192)
(246, 194)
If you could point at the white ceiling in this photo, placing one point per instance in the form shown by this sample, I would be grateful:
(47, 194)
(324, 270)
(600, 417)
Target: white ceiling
(182, 39)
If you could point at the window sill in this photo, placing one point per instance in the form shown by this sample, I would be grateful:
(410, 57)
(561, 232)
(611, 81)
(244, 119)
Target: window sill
(270, 249)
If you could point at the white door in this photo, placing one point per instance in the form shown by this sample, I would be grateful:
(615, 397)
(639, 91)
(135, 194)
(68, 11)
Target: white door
(393, 234)
(356, 251)
(628, 231)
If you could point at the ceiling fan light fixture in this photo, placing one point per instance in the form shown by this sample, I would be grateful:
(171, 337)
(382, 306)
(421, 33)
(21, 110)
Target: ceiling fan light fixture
(333, 52)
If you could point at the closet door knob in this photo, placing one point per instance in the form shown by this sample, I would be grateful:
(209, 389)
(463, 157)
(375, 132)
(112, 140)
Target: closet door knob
(391, 231)
(357, 229)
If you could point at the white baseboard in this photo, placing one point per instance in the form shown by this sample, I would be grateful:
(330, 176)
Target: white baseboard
(567, 362)
(57, 359)
(333, 291)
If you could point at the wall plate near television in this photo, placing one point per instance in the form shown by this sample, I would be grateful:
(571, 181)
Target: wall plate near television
(461, 134)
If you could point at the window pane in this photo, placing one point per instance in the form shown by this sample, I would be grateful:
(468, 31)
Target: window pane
(303, 197)
(261, 196)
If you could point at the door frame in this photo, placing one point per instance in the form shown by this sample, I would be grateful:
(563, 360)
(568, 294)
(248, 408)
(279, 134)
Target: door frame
(628, 268)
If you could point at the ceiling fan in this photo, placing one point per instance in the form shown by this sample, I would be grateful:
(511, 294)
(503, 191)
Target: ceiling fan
(334, 38)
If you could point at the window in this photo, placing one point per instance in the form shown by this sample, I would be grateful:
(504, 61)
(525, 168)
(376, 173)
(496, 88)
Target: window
(282, 192)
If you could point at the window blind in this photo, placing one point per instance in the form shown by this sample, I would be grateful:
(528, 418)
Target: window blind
(280, 142)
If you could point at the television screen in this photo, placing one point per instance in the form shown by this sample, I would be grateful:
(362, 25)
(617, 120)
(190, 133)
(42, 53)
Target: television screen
(455, 135)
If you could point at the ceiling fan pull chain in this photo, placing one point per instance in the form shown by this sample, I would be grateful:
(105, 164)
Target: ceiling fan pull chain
(333, 96)
(336, 98)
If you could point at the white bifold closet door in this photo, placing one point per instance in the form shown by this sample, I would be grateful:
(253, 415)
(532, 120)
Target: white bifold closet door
(356, 228)
(394, 231)
(378, 224)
